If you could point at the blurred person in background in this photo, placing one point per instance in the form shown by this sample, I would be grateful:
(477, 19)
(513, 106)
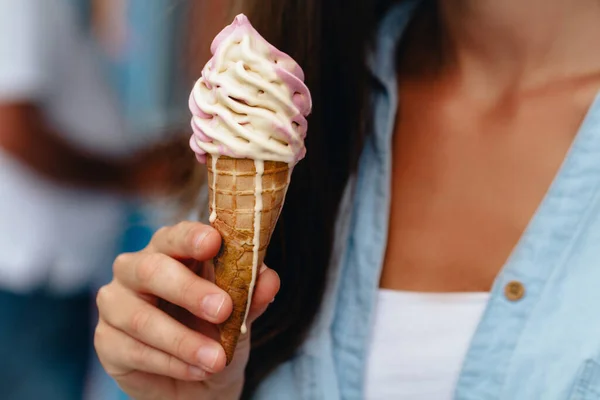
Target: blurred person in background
(141, 42)
(66, 166)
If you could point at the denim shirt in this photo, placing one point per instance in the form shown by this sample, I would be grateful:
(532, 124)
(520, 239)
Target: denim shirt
(539, 337)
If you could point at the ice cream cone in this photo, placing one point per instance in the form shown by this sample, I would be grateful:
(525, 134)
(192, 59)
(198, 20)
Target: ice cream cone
(245, 198)
(250, 103)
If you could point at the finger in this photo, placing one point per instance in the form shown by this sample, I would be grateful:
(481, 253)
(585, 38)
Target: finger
(142, 385)
(168, 279)
(187, 240)
(267, 286)
(121, 354)
(157, 329)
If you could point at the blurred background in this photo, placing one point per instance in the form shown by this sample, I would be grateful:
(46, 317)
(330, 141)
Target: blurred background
(94, 126)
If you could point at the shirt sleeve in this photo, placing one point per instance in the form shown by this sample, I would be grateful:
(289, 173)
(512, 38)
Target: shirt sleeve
(23, 65)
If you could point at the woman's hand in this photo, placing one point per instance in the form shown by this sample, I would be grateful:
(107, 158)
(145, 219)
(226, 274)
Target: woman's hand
(156, 334)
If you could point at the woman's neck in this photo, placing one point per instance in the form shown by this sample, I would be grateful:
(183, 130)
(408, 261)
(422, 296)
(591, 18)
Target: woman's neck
(520, 44)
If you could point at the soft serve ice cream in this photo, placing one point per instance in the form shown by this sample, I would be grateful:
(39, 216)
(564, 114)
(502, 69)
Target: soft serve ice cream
(249, 121)
(251, 101)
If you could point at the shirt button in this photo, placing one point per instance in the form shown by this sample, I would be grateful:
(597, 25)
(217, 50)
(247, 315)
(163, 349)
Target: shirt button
(514, 290)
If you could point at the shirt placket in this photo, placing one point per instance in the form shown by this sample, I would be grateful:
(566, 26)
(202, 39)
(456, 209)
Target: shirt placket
(540, 255)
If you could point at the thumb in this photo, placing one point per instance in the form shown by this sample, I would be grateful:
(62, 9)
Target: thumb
(267, 286)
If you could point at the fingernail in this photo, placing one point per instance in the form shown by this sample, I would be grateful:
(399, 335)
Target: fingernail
(199, 239)
(212, 304)
(198, 373)
(262, 269)
(272, 301)
(208, 356)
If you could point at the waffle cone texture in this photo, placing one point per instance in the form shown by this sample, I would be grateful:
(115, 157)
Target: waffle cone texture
(232, 195)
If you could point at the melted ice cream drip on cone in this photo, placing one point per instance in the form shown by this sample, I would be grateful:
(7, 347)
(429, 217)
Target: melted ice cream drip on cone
(213, 214)
(258, 206)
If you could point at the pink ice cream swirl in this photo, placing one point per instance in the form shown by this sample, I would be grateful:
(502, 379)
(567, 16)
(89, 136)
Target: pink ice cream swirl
(251, 100)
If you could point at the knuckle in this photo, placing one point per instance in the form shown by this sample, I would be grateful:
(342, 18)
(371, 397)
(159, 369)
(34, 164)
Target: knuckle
(180, 228)
(190, 293)
(101, 297)
(105, 346)
(177, 344)
(181, 345)
(184, 233)
(139, 354)
(184, 225)
(99, 337)
(159, 236)
(162, 231)
(121, 262)
(139, 322)
(189, 226)
(171, 240)
(108, 348)
(175, 368)
(148, 267)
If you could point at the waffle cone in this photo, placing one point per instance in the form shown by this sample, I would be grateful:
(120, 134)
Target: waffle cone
(232, 200)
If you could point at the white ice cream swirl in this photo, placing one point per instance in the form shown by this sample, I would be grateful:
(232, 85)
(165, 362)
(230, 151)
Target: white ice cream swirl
(251, 101)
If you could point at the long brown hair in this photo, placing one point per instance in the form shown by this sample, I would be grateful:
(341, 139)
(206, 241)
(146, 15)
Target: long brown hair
(330, 40)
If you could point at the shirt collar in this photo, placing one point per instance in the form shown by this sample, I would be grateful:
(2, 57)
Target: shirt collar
(381, 62)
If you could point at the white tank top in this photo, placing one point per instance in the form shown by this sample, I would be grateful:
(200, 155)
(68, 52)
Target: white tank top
(419, 342)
